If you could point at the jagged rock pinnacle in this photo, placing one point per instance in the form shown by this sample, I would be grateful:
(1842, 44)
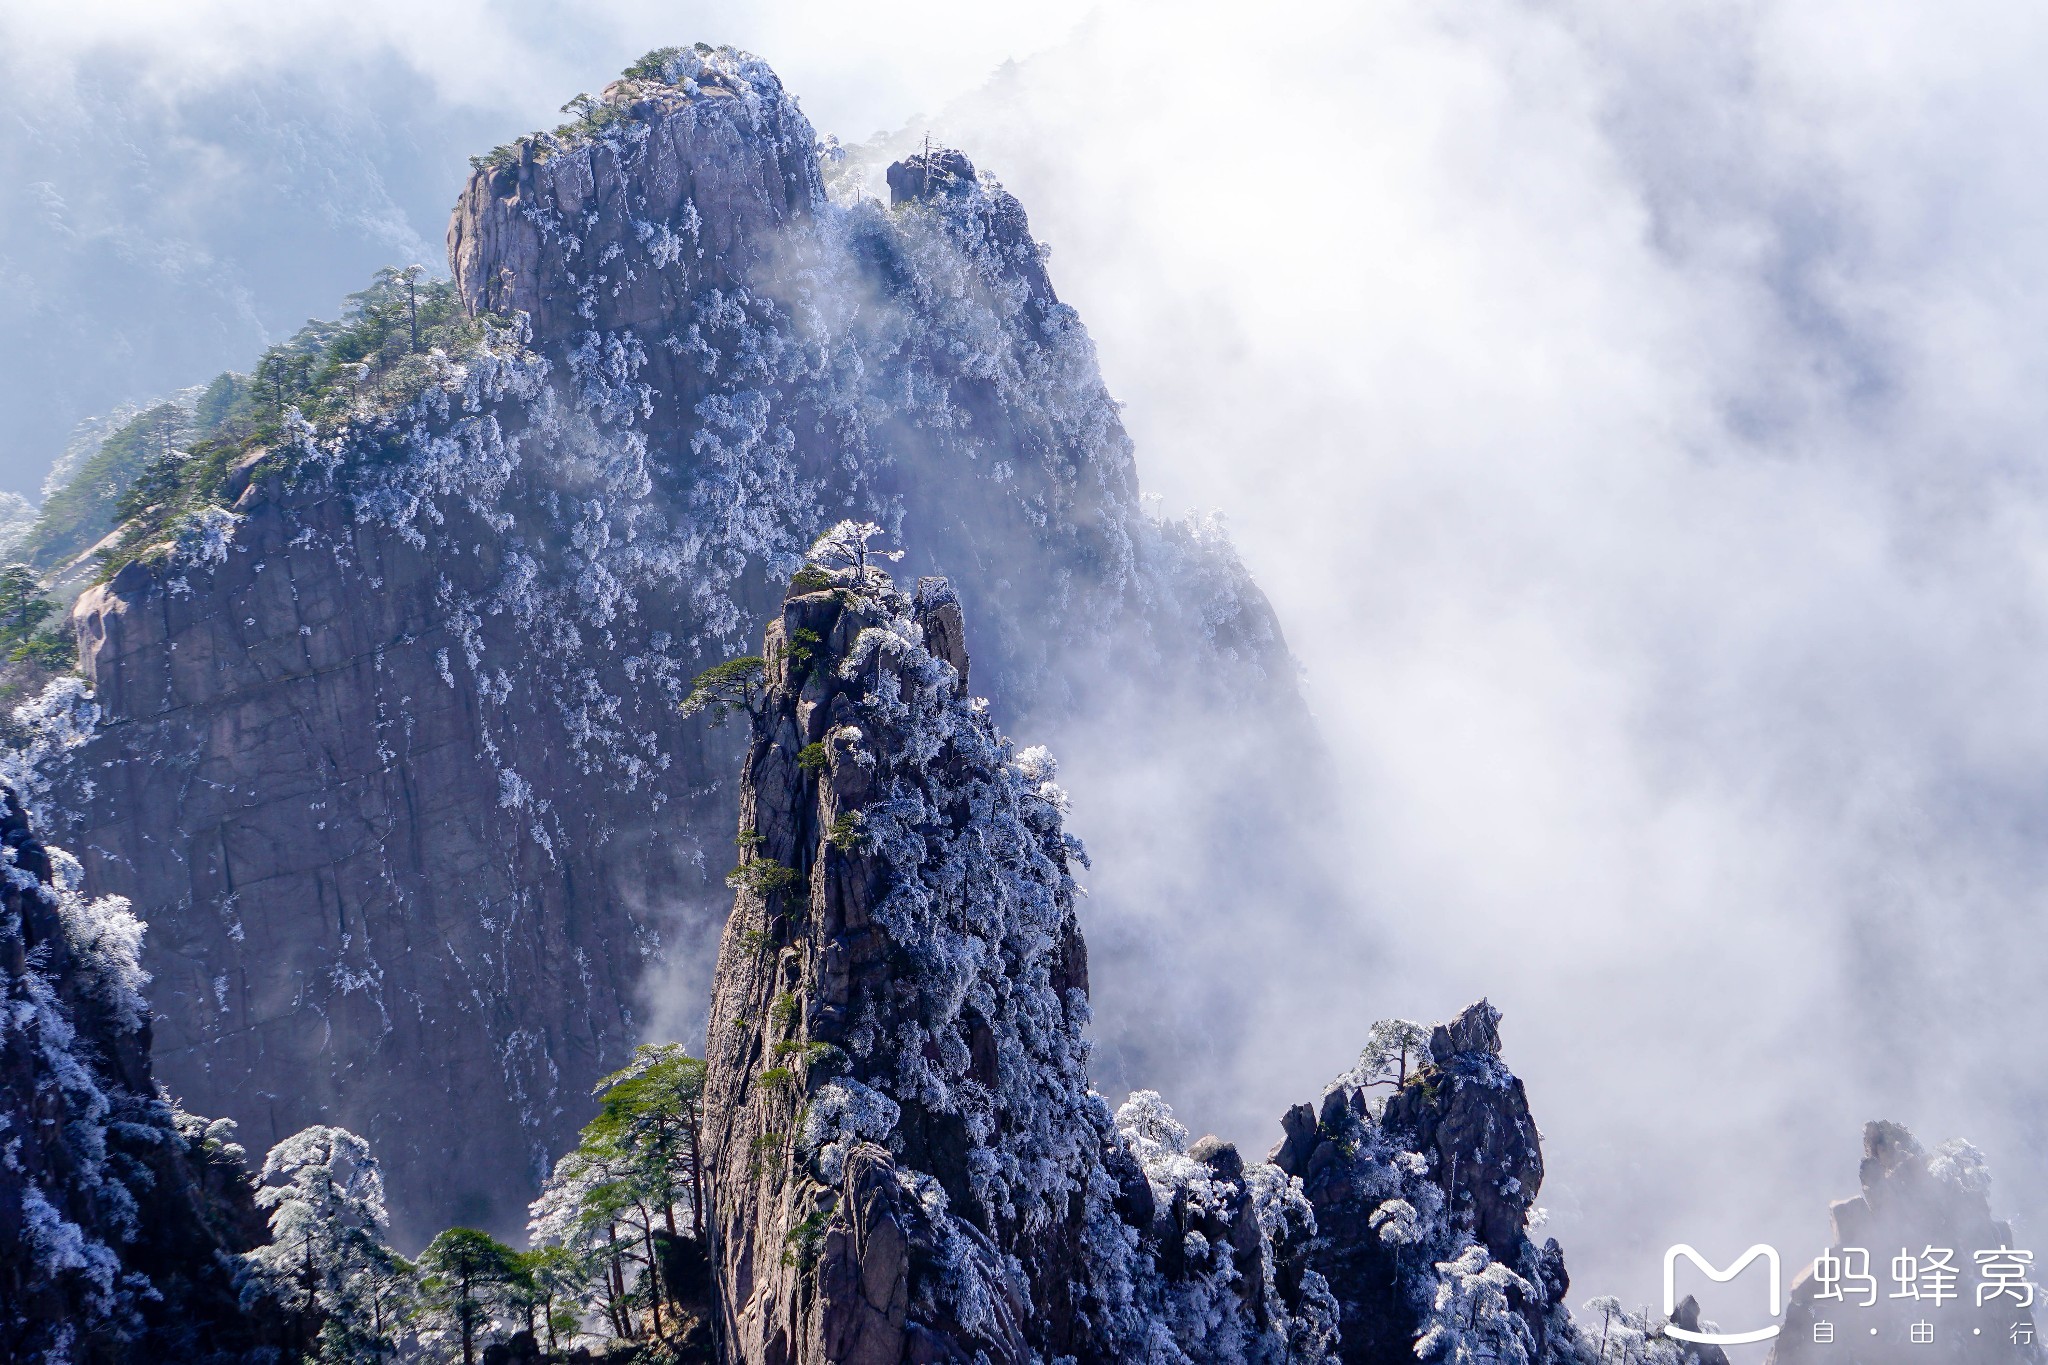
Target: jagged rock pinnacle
(909, 1163)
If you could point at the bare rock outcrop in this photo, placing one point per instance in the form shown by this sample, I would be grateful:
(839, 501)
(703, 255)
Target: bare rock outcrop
(1905, 1252)
(716, 162)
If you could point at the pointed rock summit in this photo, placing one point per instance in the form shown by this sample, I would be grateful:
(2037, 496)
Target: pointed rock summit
(1422, 1165)
(909, 1162)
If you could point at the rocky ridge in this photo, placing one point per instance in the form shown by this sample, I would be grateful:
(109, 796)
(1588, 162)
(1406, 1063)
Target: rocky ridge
(909, 1162)
(387, 751)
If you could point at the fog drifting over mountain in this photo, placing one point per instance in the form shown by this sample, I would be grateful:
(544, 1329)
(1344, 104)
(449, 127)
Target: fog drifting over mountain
(1631, 413)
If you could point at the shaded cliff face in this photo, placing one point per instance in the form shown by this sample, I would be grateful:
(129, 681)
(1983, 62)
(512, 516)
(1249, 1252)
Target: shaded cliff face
(390, 757)
(907, 1160)
(121, 1219)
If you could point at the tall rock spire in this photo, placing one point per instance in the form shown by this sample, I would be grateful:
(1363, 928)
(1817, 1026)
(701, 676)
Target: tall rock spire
(909, 1162)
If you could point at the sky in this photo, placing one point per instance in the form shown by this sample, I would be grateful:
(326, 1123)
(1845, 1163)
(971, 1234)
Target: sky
(1632, 411)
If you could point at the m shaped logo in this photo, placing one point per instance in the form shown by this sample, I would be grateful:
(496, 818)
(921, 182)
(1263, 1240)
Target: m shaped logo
(1770, 1258)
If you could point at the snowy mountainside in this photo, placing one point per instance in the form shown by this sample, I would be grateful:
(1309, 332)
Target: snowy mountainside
(389, 754)
(121, 1216)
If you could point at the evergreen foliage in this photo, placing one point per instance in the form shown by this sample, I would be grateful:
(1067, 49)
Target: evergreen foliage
(612, 1215)
(467, 1276)
(735, 685)
(174, 458)
(22, 604)
(83, 510)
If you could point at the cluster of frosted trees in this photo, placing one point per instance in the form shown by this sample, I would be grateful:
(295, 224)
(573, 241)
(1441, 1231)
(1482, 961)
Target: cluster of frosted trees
(615, 1232)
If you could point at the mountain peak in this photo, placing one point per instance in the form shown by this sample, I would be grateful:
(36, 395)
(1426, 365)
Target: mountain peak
(694, 155)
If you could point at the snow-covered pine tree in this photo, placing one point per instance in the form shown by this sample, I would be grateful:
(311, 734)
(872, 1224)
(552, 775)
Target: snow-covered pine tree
(327, 1255)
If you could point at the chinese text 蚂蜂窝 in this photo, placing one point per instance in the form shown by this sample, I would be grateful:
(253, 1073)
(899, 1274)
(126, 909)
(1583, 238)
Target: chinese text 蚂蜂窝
(1930, 1275)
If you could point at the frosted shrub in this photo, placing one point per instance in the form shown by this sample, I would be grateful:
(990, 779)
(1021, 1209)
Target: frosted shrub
(203, 538)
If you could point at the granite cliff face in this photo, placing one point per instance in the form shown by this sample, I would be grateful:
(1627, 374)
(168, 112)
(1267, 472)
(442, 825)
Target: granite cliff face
(908, 1161)
(121, 1218)
(388, 753)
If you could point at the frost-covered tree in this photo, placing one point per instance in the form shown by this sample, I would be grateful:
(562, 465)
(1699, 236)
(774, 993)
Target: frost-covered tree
(465, 1276)
(1395, 1049)
(325, 1195)
(1609, 1334)
(845, 546)
(1473, 1320)
(1206, 1298)
(17, 519)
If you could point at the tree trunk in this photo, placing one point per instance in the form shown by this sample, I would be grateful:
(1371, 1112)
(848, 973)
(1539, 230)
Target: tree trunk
(311, 1302)
(653, 1275)
(622, 1318)
(668, 1185)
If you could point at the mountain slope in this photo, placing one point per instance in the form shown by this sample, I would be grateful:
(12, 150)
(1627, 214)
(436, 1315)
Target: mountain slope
(390, 757)
(121, 1217)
